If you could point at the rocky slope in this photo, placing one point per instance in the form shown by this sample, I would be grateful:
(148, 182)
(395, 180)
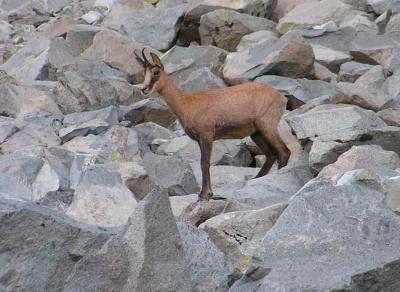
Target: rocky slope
(98, 184)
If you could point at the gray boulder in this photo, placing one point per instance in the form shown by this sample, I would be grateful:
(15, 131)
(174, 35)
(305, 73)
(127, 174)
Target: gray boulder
(351, 71)
(225, 28)
(366, 157)
(225, 179)
(300, 253)
(152, 235)
(18, 100)
(116, 144)
(190, 27)
(181, 62)
(96, 85)
(56, 243)
(115, 50)
(110, 115)
(102, 199)
(274, 188)
(331, 59)
(334, 123)
(149, 110)
(374, 49)
(92, 127)
(325, 153)
(238, 234)
(39, 59)
(380, 6)
(179, 182)
(324, 11)
(202, 79)
(289, 57)
(161, 29)
(225, 152)
(148, 132)
(7, 128)
(390, 116)
(209, 268)
(302, 89)
(255, 38)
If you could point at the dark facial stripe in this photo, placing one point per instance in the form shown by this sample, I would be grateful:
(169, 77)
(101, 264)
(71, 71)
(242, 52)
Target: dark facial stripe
(153, 81)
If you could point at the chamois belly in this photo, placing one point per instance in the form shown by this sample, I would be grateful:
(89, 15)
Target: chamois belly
(234, 131)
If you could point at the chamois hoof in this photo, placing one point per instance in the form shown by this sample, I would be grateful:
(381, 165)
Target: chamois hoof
(204, 197)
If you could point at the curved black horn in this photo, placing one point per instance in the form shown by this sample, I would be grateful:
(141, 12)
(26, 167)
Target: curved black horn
(144, 57)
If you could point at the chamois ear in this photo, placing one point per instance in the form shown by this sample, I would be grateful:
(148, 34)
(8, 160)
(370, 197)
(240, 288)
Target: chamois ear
(156, 61)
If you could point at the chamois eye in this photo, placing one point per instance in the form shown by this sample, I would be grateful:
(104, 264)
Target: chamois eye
(156, 73)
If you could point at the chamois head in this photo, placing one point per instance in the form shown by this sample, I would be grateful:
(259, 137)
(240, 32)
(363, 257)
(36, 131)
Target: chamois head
(153, 73)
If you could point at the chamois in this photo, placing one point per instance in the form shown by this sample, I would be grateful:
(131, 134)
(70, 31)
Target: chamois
(249, 109)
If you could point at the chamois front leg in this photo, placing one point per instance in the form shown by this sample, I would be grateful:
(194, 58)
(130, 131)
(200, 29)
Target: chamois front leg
(206, 149)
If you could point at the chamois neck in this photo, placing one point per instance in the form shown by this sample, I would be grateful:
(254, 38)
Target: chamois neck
(172, 95)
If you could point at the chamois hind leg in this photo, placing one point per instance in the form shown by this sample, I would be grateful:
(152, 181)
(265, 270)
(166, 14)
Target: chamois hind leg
(205, 149)
(269, 152)
(270, 132)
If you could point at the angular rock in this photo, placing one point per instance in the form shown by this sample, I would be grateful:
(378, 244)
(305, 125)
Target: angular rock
(147, 132)
(391, 89)
(325, 153)
(56, 243)
(180, 203)
(351, 71)
(380, 6)
(209, 268)
(324, 74)
(288, 57)
(365, 156)
(92, 127)
(179, 182)
(374, 49)
(202, 79)
(162, 26)
(7, 128)
(274, 188)
(115, 50)
(255, 38)
(238, 234)
(300, 17)
(226, 179)
(39, 59)
(30, 139)
(102, 199)
(17, 100)
(130, 261)
(367, 97)
(180, 62)
(330, 58)
(80, 37)
(283, 7)
(110, 115)
(116, 144)
(334, 123)
(190, 32)
(300, 251)
(393, 194)
(152, 235)
(149, 110)
(225, 28)
(302, 89)
(224, 152)
(390, 116)
(198, 212)
(96, 85)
